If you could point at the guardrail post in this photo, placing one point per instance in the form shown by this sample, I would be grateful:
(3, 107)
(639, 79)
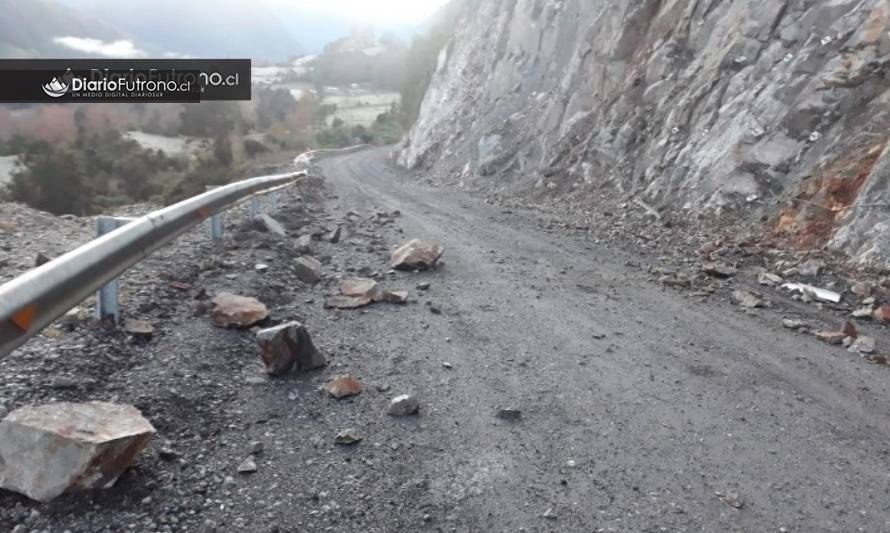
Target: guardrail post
(216, 221)
(273, 203)
(107, 298)
(255, 206)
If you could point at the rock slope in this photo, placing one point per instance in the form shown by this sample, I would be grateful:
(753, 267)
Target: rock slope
(777, 107)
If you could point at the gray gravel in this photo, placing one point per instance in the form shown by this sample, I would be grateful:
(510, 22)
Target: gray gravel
(642, 409)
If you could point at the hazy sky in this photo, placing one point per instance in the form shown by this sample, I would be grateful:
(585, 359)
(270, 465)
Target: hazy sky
(374, 12)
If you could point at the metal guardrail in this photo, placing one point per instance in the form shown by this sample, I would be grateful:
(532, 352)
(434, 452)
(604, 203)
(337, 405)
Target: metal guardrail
(33, 300)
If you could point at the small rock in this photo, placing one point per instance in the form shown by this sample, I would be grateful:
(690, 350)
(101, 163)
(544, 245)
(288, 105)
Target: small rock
(746, 298)
(866, 312)
(347, 302)
(863, 345)
(304, 245)
(509, 414)
(769, 279)
(425, 286)
(308, 269)
(261, 268)
(793, 324)
(334, 237)
(271, 225)
(74, 316)
(447, 365)
(417, 254)
(831, 337)
(248, 466)
(289, 347)
(863, 289)
(394, 297)
(403, 405)
(231, 311)
(167, 454)
(719, 270)
(139, 328)
(359, 288)
(882, 314)
(811, 268)
(347, 437)
(732, 499)
(41, 259)
(549, 514)
(343, 386)
(255, 447)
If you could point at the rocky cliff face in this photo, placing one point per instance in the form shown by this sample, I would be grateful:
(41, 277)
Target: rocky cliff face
(778, 107)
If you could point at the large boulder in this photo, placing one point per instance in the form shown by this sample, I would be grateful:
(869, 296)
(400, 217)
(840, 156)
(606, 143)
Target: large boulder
(232, 311)
(51, 449)
(417, 254)
(289, 347)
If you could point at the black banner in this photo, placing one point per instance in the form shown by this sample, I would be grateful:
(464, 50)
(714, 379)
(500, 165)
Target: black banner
(123, 80)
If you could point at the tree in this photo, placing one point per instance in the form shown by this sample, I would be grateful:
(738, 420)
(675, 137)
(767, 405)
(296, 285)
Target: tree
(273, 105)
(253, 147)
(209, 119)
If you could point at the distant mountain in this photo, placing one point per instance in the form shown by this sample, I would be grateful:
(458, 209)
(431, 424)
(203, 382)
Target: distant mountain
(27, 28)
(222, 28)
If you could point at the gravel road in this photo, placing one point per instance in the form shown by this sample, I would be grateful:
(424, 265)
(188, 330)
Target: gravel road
(642, 409)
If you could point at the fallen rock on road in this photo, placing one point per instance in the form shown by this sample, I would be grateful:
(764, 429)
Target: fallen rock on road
(417, 254)
(308, 269)
(51, 449)
(347, 302)
(403, 405)
(231, 311)
(287, 348)
(359, 288)
(343, 387)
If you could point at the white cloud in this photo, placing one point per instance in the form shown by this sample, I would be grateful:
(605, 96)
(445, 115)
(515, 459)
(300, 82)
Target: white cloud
(117, 49)
(365, 11)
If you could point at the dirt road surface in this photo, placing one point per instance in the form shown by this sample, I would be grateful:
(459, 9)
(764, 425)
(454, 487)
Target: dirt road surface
(642, 408)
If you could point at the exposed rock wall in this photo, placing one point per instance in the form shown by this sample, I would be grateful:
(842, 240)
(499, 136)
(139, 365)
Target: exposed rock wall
(776, 106)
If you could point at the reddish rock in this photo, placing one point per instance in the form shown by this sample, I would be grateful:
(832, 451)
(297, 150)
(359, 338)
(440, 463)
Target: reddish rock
(343, 386)
(231, 311)
(882, 314)
(52, 449)
(289, 347)
(418, 254)
(347, 302)
(359, 288)
(837, 337)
